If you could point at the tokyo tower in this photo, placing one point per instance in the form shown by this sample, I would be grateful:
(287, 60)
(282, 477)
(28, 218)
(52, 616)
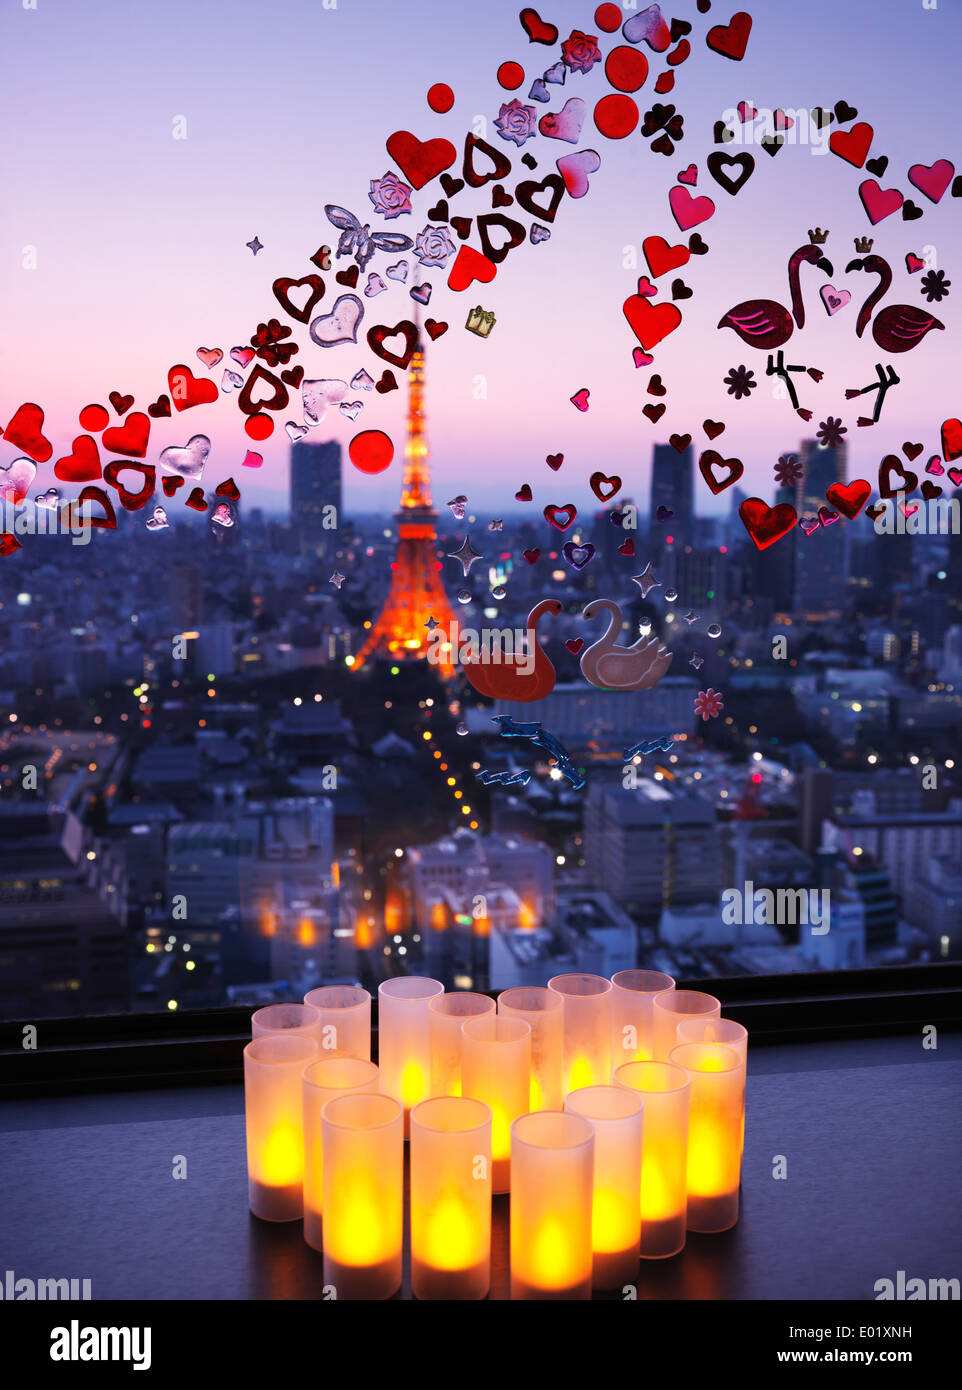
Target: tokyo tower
(416, 592)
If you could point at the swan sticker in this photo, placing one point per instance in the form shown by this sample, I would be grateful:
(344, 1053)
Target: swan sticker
(526, 675)
(611, 667)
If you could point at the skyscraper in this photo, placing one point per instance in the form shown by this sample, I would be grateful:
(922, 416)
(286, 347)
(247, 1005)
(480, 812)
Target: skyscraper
(672, 487)
(315, 484)
(821, 559)
(416, 593)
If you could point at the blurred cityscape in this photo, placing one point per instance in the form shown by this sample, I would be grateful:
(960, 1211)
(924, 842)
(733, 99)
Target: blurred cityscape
(201, 802)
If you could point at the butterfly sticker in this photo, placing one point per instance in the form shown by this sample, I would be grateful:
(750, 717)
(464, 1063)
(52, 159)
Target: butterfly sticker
(361, 241)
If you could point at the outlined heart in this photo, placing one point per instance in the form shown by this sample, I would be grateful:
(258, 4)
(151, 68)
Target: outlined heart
(604, 487)
(712, 459)
(282, 293)
(552, 512)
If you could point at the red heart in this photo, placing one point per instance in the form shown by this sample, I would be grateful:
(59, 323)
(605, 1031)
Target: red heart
(347, 277)
(524, 493)
(131, 501)
(82, 465)
(656, 387)
(293, 376)
(569, 510)
(932, 179)
(282, 288)
(574, 645)
(661, 257)
(849, 498)
(911, 451)
(688, 211)
(913, 263)
(604, 488)
(532, 556)
(766, 524)
(434, 329)
(9, 543)
(108, 522)
(930, 490)
(555, 461)
(951, 439)
(879, 202)
(627, 547)
(196, 500)
(380, 331)
(187, 390)
(536, 29)
(646, 288)
(160, 407)
(228, 488)
(650, 322)
(387, 383)
(654, 412)
(852, 145)
(713, 428)
(131, 437)
(420, 162)
(679, 442)
(171, 482)
(25, 432)
(470, 266)
(120, 403)
(731, 40)
(706, 466)
(665, 82)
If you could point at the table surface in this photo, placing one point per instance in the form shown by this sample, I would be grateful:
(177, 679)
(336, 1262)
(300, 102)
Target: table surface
(870, 1132)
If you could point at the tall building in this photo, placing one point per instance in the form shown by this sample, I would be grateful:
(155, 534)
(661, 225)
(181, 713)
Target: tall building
(672, 486)
(416, 593)
(821, 559)
(315, 484)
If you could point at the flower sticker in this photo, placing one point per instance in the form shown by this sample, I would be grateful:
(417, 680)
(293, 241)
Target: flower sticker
(708, 703)
(434, 246)
(829, 433)
(390, 196)
(516, 122)
(740, 382)
(580, 51)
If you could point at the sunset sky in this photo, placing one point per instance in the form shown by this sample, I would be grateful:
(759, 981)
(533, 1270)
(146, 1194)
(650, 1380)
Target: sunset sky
(140, 237)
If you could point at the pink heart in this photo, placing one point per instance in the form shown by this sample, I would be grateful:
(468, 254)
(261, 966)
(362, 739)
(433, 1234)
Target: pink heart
(909, 509)
(934, 465)
(827, 517)
(913, 263)
(783, 122)
(646, 288)
(956, 475)
(580, 399)
(641, 358)
(15, 479)
(745, 112)
(243, 356)
(834, 299)
(879, 202)
(253, 460)
(688, 211)
(932, 179)
(689, 175)
(575, 170)
(565, 124)
(210, 356)
(809, 524)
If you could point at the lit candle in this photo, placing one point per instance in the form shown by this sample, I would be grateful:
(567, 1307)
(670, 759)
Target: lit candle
(715, 1134)
(664, 1153)
(446, 1013)
(451, 1198)
(404, 1039)
(344, 1020)
(496, 1069)
(273, 1064)
(614, 1114)
(292, 1019)
(586, 1004)
(323, 1080)
(542, 1009)
(632, 1019)
(363, 1140)
(668, 1010)
(552, 1156)
(719, 1030)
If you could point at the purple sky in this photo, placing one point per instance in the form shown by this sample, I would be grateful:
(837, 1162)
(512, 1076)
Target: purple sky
(140, 237)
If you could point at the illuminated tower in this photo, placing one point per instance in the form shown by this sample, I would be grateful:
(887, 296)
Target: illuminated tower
(416, 592)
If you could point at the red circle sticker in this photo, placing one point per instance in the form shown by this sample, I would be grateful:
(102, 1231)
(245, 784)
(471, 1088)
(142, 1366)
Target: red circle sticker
(371, 451)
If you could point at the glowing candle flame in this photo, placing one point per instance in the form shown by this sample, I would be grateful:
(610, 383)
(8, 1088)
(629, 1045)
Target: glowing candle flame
(450, 1239)
(412, 1085)
(282, 1161)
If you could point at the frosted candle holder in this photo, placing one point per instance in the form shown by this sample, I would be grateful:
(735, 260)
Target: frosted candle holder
(632, 1016)
(446, 1013)
(719, 1030)
(344, 1020)
(552, 1157)
(292, 1019)
(273, 1112)
(586, 1004)
(670, 1008)
(614, 1114)
(404, 1039)
(715, 1133)
(496, 1069)
(322, 1081)
(363, 1139)
(664, 1154)
(542, 1009)
(451, 1198)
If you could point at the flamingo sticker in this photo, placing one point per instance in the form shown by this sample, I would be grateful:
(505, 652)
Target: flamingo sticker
(611, 667)
(899, 327)
(766, 324)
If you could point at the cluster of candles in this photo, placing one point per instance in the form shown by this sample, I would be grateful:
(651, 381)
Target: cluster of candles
(612, 1111)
